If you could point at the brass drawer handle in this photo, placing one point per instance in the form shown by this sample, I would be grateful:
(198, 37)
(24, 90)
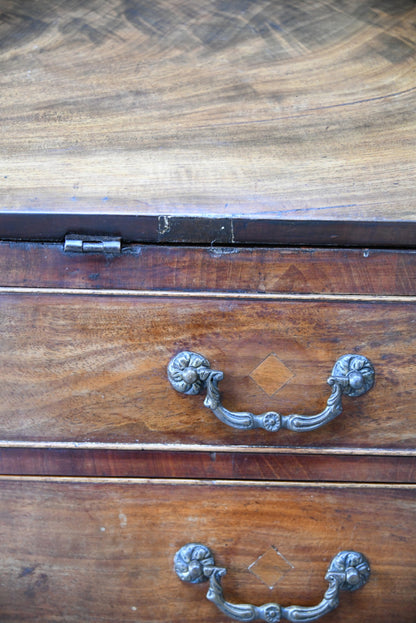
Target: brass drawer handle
(190, 373)
(348, 571)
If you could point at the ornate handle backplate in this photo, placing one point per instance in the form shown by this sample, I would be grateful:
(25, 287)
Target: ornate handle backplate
(190, 373)
(348, 571)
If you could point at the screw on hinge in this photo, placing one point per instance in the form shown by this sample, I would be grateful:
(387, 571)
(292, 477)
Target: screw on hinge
(75, 243)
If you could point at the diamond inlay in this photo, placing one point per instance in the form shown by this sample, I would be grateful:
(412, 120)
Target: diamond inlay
(270, 567)
(271, 374)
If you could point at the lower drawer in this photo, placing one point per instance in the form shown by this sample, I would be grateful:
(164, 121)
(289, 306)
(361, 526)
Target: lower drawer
(82, 550)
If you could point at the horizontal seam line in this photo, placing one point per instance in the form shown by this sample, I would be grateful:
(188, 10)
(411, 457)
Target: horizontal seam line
(209, 294)
(74, 445)
(208, 482)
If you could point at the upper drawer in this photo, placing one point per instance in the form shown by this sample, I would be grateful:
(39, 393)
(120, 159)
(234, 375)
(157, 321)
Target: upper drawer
(93, 367)
(84, 365)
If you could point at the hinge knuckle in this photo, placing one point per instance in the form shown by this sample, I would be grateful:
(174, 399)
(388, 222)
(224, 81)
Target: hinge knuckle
(104, 245)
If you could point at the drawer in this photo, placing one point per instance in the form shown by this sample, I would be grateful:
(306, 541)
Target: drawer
(93, 368)
(138, 129)
(97, 550)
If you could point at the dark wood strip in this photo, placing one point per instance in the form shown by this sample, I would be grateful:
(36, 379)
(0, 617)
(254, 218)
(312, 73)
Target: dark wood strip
(225, 465)
(321, 233)
(48, 225)
(193, 269)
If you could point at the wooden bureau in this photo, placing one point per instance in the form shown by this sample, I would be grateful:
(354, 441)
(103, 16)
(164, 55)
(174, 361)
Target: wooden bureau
(234, 179)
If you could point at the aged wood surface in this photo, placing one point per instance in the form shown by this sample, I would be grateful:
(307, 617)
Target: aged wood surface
(257, 270)
(296, 109)
(209, 230)
(103, 551)
(93, 368)
(337, 467)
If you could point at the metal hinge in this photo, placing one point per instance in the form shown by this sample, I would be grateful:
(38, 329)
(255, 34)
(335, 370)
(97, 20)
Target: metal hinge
(75, 243)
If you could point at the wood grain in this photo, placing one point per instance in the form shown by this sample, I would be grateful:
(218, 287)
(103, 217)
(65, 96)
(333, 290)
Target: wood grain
(93, 368)
(166, 463)
(193, 269)
(297, 110)
(103, 551)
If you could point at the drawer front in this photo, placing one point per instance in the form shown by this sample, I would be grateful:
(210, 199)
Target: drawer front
(377, 272)
(79, 550)
(93, 369)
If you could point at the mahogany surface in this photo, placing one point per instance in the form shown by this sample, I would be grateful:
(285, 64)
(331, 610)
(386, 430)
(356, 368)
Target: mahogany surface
(93, 368)
(277, 141)
(213, 269)
(261, 114)
(96, 550)
(259, 466)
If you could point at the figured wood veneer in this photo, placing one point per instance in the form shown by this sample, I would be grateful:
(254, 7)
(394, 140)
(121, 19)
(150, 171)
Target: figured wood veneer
(250, 112)
(99, 461)
(93, 368)
(103, 550)
(216, 122)
(214, 269)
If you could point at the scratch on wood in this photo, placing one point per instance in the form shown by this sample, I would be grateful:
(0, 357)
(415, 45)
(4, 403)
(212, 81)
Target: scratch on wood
(123, 520)
(220, 251)
(164, 225)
